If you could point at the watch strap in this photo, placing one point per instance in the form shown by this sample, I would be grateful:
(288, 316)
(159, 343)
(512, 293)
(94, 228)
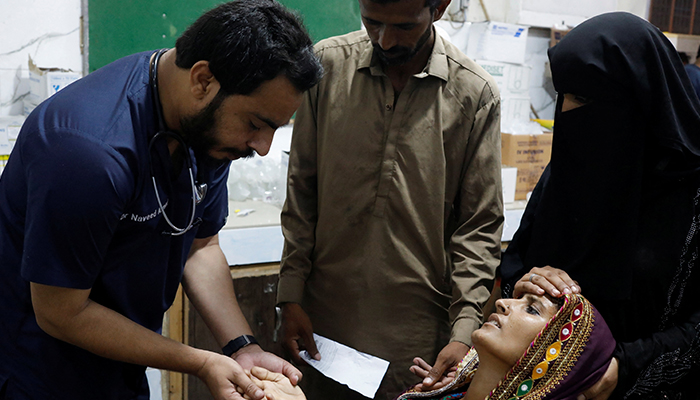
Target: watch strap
(238, 343)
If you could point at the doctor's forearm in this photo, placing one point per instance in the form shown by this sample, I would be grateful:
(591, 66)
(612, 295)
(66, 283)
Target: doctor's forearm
(107, 333)
(208, 285)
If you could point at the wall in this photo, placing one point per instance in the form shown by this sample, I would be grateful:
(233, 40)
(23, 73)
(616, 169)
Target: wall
(118, 29)
(50, 32)
(46, 30)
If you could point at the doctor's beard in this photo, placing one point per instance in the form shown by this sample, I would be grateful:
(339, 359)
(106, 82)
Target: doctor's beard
(199, 133)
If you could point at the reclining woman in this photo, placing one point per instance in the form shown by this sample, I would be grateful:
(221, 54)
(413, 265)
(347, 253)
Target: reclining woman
(535, 347)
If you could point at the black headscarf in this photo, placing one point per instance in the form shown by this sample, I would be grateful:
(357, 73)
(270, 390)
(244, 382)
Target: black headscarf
(624, 55)
(616, 204)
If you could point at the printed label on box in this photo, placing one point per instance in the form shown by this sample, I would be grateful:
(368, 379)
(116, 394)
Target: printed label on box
(521, 150)
(497, 41)
(528, 176)
(514, 108)
(511, 79)
(4, 142)
(9, 130)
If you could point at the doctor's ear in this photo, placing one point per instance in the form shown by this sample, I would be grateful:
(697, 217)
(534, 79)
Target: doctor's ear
(203, 84)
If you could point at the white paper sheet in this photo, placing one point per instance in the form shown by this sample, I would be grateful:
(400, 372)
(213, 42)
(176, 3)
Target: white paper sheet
(360, 371)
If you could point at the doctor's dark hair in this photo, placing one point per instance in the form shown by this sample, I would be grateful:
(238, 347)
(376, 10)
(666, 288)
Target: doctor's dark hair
(248, 42)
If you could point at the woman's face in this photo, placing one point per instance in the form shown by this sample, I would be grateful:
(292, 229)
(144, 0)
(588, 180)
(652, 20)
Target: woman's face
(508, 332)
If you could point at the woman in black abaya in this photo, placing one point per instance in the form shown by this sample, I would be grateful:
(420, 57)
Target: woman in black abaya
(617, 208)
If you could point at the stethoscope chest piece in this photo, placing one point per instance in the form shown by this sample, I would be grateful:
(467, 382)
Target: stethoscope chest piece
(200, 192)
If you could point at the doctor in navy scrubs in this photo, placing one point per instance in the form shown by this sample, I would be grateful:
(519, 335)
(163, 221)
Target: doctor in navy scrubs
(113, 196)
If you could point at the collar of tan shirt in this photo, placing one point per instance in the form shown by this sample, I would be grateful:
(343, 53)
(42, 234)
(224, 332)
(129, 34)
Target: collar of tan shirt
(437, 63)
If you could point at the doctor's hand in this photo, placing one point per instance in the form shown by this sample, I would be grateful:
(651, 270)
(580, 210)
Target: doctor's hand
(225, 378)
(553, 281)
(297, 333)
(253, 356)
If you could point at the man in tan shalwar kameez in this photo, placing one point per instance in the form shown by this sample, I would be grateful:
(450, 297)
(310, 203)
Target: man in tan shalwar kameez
(394, 208)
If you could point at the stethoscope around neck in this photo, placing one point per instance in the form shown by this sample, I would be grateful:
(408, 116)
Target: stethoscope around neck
(199, 191)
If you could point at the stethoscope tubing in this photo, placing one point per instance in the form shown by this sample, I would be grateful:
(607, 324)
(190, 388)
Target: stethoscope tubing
(178, 231)
(196, 198)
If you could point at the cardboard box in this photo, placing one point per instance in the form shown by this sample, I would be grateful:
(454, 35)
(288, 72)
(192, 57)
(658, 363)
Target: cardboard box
(44, 82)
(29, 103)
(557, 35)
(517, 150)
(530, 154)
(5, 147)
(514, 108)
(9, 130)
(497, 41)
(528, 176)
(509, 178)
(3, 161)
(512, 79)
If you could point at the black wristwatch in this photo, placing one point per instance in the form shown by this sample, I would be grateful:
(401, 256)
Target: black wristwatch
(238, 343)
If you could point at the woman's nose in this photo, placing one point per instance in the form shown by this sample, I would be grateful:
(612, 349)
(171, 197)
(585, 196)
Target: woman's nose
(503, 305)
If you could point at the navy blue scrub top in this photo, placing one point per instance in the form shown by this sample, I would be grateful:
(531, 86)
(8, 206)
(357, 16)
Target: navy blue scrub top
(78, 210)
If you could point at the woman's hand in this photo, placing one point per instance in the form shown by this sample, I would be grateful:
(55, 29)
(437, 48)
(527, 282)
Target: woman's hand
(422, 369)
(276, 386)
(553, 281)
(253, 356)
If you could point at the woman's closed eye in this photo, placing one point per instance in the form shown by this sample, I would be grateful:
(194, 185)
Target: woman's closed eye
(536, 306)
(531, 309)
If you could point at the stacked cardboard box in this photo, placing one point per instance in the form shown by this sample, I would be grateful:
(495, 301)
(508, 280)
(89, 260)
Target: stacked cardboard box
(513, 82)
(509, 179)
(557, 34)
(499, 48)
(497, 41)
(530, 154)
(9, 129)
(44, 82)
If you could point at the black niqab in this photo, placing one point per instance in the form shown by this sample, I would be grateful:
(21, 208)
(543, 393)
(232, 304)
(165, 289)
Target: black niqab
(620, 54)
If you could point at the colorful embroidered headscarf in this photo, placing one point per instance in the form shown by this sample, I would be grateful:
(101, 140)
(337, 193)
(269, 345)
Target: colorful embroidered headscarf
(570, 354)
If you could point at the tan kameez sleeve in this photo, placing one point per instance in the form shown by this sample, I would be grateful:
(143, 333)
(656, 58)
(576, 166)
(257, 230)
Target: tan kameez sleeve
(299, 214)
(475, 246)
